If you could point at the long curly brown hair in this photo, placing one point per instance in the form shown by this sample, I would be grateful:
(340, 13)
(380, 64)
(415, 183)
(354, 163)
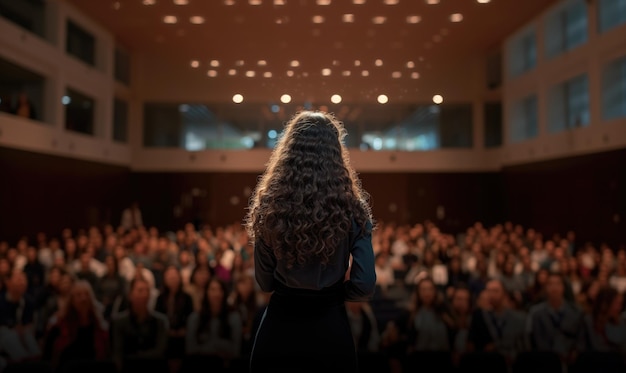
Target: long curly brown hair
(304, 203)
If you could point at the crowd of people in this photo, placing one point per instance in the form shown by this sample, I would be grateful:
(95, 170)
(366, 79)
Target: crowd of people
(133, 294)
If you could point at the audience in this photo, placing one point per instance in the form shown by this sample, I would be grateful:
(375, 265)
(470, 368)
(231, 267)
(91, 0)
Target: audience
(190, 293)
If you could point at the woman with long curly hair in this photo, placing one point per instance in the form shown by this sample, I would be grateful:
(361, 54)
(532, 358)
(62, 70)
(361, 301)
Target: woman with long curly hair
(311, 226)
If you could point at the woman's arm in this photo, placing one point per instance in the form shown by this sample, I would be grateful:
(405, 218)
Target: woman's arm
(264, 265)
(362, 282)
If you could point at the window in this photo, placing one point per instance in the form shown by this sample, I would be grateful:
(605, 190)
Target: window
(614, 90)
(122, 66)
(522, 54)
(21, 91)
(493, 124)
(80, 44)
(524, 119)
(566, 28)
(120, 120)
(611, 13)
(568, 106)
(455, 126)
(28, 14)
(79, 112)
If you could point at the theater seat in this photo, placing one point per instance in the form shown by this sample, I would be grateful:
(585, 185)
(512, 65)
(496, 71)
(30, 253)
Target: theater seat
(537, 362)
(89, 366)
(484, 362)
(599, 362)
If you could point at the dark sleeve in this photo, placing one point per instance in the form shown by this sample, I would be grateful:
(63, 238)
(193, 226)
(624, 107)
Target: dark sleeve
(478, 334)
(264, 265)
(362, 282)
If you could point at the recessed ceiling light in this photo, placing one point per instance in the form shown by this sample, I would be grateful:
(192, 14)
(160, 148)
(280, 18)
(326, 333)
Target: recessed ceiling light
(239, 63)
(237, 98)
(148, 2)
(229, 2)
(358, 2)
(254, 2)
(267, 74)
(285, 99)
(348, 18)
(326, 72)
(289, 73)
(212, 73)
(195, 64)
(214, 63)
(250, 74)
(262, 63)
(196, 20)
(437, 99)
(483, 1)
(295, 63)
(378, 62)
(318, 19)
(323, 2)
(170, 20)
(279, 2)
(382, 99)
(335, 62)
(396, 74)
(391, 2)
(305, 74)
(181, 2)
(410, 64)
(365, 73)
(456, 17)
(432, 2)
(357, 63)
(415, 75)
(335, 99)
(345, 73)
(413, 19)
(379, 20)
(232, 72)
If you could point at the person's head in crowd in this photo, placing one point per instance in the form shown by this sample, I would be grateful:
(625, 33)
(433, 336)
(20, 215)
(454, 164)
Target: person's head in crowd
(214, 300)
(70, 248)
(5, 268)
(172, 280)
(82, 241)
(202, 259)
(508, 268)
(461, 301)
(54, 277)
(85, 261)
(153, 232)
(12, 255)
(541, 278)
(429, 259)
(482, 300)
(555, 289)
(22, 245)
(112, 268)
(66, 282)
(139, 248)
(426, 295)
(42, 240)
(200, 276)
(245, 288)
(119, 253)
(163, 244)
(82, 305)
(607, 308)
(139, 295)
(110, 242)
(497, 295)
(17, 284)
(184, 258)
(32, 255)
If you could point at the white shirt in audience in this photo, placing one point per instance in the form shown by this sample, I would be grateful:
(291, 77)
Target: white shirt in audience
(47, 257)
(96, 266)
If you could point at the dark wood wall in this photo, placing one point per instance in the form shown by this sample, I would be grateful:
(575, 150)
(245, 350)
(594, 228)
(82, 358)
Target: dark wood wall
(587, 194)
(47, 193)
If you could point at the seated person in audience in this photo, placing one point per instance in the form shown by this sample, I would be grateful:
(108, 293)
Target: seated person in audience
(555, 325)
(364, 327)
(501, 328)
(200, 277)
(177, 305)
(217, 328)
(125, 265)
(35, 272)
(78, 331)
(54, 303)
(139, 332)
(456, 275)
(461, 315)
(244, 299)
(86, 262)
(111, 287)
(17, 334)
(48, 254)
(605, 327)
(85, 272)
(429, 322)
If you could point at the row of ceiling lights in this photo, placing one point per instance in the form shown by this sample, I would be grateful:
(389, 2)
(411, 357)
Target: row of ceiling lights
(325, 72)
(318, 2)
(335, 99)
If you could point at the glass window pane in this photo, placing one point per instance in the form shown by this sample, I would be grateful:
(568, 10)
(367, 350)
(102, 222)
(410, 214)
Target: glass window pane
(614, 90)
(28, 14)
(79, 112)
(569, 104)
(21, 91)
(80, 44)
(455, 126)
(120, 120)
(493, 124)
(611, 13)
(122, 66)
(524, 119)
(522, 54)
(566, 28)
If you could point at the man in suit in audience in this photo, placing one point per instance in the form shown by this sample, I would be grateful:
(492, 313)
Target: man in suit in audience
(555, 325)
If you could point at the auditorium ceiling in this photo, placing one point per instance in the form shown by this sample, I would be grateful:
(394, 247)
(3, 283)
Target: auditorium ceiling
(319, 47)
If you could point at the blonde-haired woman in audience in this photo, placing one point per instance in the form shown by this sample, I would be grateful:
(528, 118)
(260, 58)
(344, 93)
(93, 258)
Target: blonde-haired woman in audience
(78, 331)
